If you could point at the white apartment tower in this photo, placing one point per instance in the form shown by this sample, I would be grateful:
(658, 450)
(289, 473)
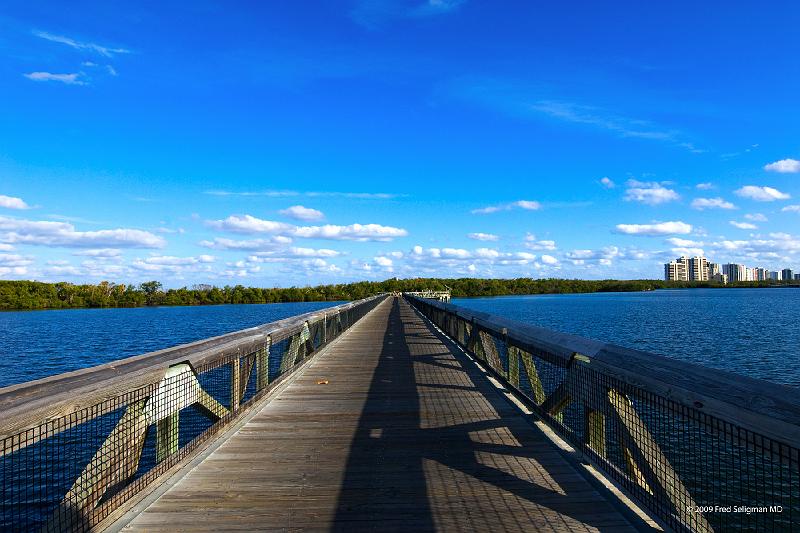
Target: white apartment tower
(698, 268)
(677, 270)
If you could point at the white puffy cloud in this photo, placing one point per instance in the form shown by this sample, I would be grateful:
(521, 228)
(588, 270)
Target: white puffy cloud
(12, 202)
(452, 257)
(353, 232)
(650, 193)
(298, 212)
(47, 233)
(533, 244)
(756, 217)
(791, 209)
(171, 260)
(528, 205)
(319, 265)
(549, 259)
(784, 166)
(174, 265)
(250, 224)
(100, 252)
(603, 256)
(761, 194)
(711, 203)
(743, 225)
(776, 249)
(249, 245)
(483, 236)
(656, 228)
(295, 252)
(684, 243)
(607, 183)
(383, 261)
(15, 260)
(707, 186)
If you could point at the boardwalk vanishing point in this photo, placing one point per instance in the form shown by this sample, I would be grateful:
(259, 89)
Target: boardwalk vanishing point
(397, 413)
(390, 429)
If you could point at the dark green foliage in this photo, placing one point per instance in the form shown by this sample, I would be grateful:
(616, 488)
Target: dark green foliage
(37, 295)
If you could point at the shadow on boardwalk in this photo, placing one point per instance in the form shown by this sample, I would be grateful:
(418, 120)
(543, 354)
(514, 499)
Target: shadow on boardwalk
(437, 447)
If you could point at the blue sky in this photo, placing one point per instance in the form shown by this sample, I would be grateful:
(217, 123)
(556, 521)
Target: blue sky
(282, 143)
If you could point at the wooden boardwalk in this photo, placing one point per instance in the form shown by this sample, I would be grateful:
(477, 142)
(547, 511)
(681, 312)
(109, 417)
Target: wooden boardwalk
(407, 434)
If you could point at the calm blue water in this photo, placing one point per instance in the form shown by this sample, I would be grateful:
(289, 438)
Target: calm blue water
(755, 332)
(36, 344)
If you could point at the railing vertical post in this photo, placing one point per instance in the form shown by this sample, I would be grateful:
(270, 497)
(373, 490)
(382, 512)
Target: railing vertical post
(235, 377)
(262, 365)
(595, 430)
(507, 366)
(167, 431)
(513, 365)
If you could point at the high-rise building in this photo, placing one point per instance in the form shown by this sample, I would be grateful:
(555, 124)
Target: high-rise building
(735, 272)
(719, 277)
(775, 276)
(698, 268)
(797, 277)
(714, 269)
(787, 273)
(677, 270)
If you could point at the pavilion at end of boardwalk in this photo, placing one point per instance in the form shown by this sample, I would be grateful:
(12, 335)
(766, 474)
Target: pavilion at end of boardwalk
(399, 413)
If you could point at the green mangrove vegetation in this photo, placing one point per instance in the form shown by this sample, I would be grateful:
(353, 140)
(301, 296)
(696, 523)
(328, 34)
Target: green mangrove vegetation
(39, 295)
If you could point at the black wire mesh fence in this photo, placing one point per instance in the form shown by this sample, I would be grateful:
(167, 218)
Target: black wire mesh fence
(69, 473)
(692, 470)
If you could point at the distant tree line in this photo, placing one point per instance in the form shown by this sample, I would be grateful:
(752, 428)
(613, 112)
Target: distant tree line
(38, 295)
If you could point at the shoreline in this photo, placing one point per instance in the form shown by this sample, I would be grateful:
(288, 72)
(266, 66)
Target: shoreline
(39, 296)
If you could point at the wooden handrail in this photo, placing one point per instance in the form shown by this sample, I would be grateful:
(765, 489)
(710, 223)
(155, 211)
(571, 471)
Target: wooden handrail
(25, 405)
(767, 408)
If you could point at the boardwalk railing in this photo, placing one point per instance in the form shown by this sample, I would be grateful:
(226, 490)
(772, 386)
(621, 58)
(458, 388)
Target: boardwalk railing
(702, 449)
(76, 446)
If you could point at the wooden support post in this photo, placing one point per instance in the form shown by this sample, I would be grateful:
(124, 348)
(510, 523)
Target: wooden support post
(167, 432)
(474, 342)
(650, 467)
(557, 401)
(290, 353)
(262, 365)
(115, 462)
(633, 470)
(309, 342)
(533, 377)
(594, 430)
(513, 364)
(236, 397)
(249, 362)
(491, 356)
